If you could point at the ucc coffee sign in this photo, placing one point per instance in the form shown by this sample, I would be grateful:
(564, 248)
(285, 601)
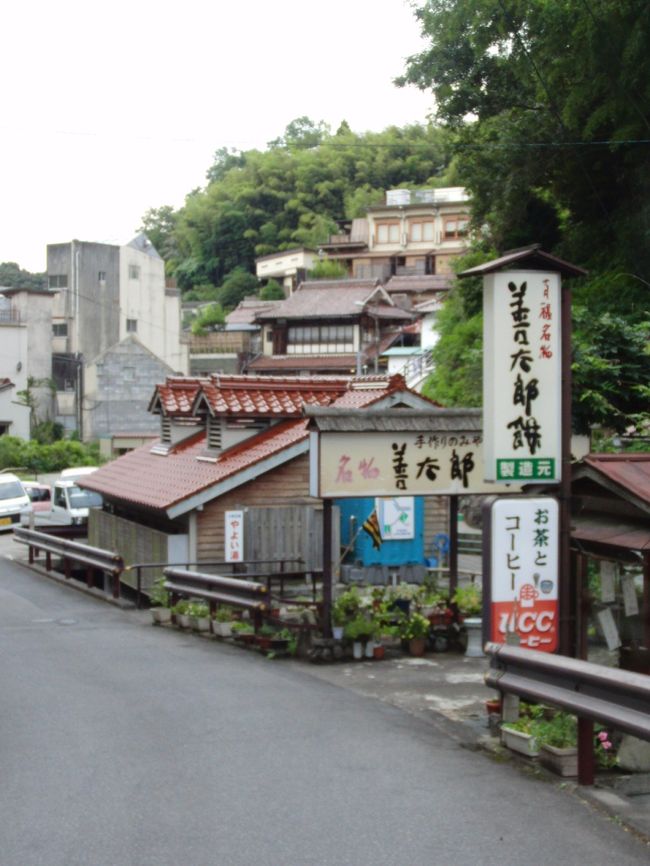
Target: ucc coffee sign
(523, 571)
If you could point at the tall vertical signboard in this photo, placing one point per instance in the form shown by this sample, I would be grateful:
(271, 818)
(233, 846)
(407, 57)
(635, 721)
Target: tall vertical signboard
(523, 571)
(522, 377)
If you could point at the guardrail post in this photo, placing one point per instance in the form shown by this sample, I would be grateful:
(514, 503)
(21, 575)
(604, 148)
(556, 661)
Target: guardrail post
(67, 572)
(585, 751)
(48, 561)
(31, 555)
(89, 576)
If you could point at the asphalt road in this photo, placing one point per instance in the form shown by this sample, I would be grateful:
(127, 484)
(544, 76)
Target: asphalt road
(127, 745)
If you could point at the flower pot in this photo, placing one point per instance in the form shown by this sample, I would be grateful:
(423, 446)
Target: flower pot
(183, 620)
(379, 651)
(357, 650)
(417, 646)
(264, 642)
(161, 615)
(337, 632)
(493, 705)
(202, 623)
(564, 762)
(370, 648)
(222, 629)
(520, 742)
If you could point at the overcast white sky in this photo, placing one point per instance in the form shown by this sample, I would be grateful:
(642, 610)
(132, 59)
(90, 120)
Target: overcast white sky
(110, 109)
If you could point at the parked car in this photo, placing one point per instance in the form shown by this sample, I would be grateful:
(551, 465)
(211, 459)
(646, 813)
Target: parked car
(12, 499)
(69, 503)
(40, 495)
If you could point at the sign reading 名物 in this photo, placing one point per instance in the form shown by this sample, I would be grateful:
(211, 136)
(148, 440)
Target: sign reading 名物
(234, 536)
(522, 376)
(524, 571)
(400, 464)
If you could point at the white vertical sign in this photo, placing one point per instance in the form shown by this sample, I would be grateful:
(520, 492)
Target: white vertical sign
(234, 536)
(522, 376)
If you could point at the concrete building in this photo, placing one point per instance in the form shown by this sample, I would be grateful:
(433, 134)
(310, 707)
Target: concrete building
(104, 294)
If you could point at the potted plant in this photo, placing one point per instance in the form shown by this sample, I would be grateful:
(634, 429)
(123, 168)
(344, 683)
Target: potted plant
(415, 631)
(344, 610)
(558, 739)
(243, 632)
(222, 621)
(180, 611)
(159, 598)
(520, 736)
(199, 614)
(359, 630)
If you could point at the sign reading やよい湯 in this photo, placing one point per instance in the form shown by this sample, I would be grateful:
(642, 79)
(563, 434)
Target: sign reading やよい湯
(524, 571)
(522, 376)
(400, 463)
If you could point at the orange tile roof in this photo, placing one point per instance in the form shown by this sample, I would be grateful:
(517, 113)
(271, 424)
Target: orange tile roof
(176, 396)
(267, 396)
(148, 478)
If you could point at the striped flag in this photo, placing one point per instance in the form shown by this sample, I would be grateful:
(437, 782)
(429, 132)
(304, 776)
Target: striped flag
(371, 526)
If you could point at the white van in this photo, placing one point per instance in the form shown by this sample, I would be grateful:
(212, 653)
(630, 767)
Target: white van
(12, 500)
(70, 503)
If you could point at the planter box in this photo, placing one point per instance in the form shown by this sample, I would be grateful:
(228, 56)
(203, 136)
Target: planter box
(222, 629)
(525, 744)
(564, 762)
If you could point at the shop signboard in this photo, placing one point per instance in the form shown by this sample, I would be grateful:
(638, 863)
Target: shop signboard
(522, 576)
(522, 383)
(234, 536)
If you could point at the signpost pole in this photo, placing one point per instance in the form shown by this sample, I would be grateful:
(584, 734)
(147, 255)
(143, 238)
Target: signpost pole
(567, 584)
(327, 567)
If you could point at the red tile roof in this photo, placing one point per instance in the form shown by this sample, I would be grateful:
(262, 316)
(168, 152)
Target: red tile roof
(176, 396)
(267, 396)
(160, 481)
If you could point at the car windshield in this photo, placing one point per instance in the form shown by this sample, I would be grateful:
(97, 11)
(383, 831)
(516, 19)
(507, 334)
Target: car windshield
(38, 494)
(83, 498)
(11, 490)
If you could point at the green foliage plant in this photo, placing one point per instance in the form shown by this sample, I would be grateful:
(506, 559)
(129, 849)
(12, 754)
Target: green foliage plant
(469, 600)
(361, 628)
(346, 606)
(414, 626)
(158, 595)
(198, 609)
(181, 608)
(224, 614)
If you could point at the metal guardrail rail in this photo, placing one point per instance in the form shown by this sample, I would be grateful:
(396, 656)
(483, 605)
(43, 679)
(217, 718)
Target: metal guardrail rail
(215, 590)
(93, 558)
(594, 693)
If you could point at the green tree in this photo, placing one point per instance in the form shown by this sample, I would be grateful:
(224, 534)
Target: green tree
(236, 286)
(272, 291)
(14, 277)
(208, 318)
(328, 269)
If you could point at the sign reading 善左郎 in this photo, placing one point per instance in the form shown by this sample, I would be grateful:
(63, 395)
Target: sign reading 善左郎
(522, 376)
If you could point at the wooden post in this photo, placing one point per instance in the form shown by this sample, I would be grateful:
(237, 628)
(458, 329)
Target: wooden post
(585, 752)
(567, 593)
(646, 600)
(327, 567)
(453, 545)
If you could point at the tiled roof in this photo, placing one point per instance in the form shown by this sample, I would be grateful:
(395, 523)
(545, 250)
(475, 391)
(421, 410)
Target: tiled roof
(419, 283)
(159, 481)
(286, 363)
(142, 477)
(316, 300)
(176, 396)
(246, 310)
(268, 396)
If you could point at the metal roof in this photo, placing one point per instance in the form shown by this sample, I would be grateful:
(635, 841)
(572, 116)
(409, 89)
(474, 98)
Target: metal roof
(339, 420)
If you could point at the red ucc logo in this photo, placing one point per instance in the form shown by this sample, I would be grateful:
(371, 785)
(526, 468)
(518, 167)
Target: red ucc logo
(536, 625)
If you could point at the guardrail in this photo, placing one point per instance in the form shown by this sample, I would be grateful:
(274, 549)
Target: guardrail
(216, 589)
(593, 693)
(93, 558)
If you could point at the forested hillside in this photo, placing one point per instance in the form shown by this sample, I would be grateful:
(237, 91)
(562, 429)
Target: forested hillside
(547, 106)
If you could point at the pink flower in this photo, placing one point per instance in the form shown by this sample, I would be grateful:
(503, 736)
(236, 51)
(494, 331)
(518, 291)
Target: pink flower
(602, 736)
(605, 744)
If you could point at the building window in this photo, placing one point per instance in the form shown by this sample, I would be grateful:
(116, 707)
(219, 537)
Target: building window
(60, 330)
(57, 281)
(101, 276)
(131, 326)
(134, 272)
(320, 339)
(388, 233)
(456, 227)
(421, 230)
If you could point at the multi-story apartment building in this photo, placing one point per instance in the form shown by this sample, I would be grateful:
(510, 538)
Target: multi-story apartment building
(414, 233)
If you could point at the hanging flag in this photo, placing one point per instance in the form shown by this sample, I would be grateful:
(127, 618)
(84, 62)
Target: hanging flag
(371, 526)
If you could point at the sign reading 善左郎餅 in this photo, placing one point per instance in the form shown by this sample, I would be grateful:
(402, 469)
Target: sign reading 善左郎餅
(522, 376)
(401, 463)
